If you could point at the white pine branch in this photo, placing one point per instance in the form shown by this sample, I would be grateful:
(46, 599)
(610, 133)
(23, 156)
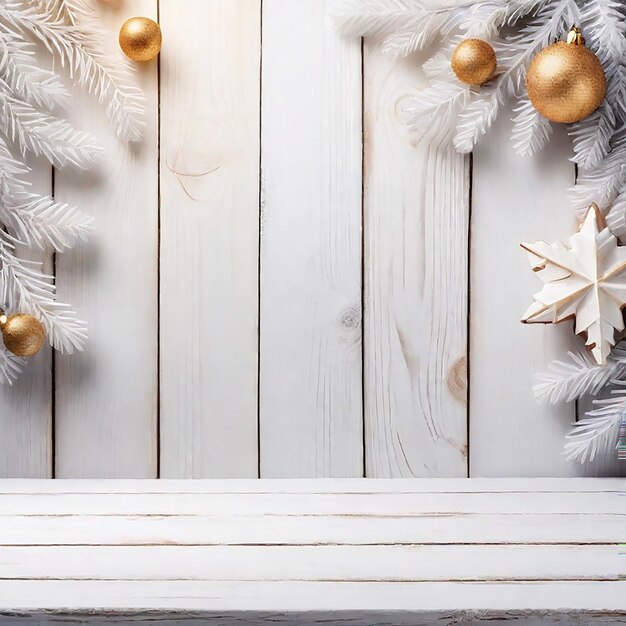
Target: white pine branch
(37, 221)
(592, 137)
(616, 217)
(566, 381)
(602, 183)
(26, 81)
(476, 118)
(604, 25)
(366, 18)
(598, 432)
(45, 135)
(79, 47)
(10, 366)
(24, 288)
(40, 222)
(514, 56)
(531, 131)
(434, 107)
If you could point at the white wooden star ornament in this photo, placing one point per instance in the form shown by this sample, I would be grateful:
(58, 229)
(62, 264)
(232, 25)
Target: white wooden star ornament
(585, 280)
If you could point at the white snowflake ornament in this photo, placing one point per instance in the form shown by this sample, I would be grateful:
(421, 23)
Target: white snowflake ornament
(585, 281)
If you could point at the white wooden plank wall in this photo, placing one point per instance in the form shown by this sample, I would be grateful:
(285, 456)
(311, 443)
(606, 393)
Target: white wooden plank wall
(106, 397)
(209, 237)
(279, 281)
(311, 416)
(416, 229)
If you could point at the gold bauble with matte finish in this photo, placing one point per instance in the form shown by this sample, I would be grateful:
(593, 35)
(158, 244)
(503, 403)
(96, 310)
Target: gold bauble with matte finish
(565, 81)
(474, 61)
(22, 334)
(140, 39)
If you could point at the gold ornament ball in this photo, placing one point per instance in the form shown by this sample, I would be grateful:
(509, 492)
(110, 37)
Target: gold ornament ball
(23, 334)
(565, 81)
(140, 39)
(474, 61)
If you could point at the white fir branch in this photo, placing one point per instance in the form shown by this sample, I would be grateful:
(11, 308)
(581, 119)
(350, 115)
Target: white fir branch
(602, 183)
(367, 18)
(417, 35)
(514, 56)
(434, 107)
(79, 48)
(25, 80)
(616, 217)
(24, 288)
(531, 131)
(47, 136)
(566, 381)
(11, 366)
(603, 25)
(37, 221)
(40, 222)
(476, 118)
(597, 433)
(591, 137)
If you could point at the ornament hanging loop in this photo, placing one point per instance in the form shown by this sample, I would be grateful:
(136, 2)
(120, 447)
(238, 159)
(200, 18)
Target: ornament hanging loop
(575, 37)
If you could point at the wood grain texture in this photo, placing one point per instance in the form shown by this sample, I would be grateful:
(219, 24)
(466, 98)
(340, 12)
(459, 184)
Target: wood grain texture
(26, 407)
(310, 343)
(416, 245)
(514, 200)
(210, 90)
(106, 397)
(442, 570)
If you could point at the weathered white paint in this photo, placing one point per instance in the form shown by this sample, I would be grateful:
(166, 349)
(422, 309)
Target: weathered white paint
(311, 416)
(106, 397)
(515, 199)
(444, 572)
(209, 237)
(415, 341)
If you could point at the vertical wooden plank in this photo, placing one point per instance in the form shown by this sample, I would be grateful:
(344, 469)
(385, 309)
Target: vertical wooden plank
(311, 385)
(26, 407)
(416, 240)
(515, 199)
(210, 77)
(106, 396)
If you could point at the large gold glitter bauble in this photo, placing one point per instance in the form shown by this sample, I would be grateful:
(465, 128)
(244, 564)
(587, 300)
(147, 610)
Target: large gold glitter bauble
(23, 334)
(473, 61)
(140, 39)
(565, 81)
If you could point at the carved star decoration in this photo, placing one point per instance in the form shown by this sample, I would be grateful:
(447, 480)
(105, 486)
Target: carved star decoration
(585, 281)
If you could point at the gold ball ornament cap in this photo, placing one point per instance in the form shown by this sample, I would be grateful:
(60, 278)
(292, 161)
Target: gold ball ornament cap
(474, 61)
(23, 335)
(565, 81)
(140, 39)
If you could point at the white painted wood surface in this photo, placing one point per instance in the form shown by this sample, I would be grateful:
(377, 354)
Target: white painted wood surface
(26, 410)
(106, 397)
(514, 200)
(77, 560)
(311, 416)
(209, 237)
(416, 266)
(311, 316)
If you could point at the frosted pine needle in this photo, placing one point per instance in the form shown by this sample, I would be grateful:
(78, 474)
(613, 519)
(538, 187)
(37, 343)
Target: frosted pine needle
(32, 100)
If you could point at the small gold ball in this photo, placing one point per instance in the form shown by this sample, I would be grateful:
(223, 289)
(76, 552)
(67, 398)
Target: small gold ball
(566, 82)
(474, 61)
(23, 334)
(140, 39)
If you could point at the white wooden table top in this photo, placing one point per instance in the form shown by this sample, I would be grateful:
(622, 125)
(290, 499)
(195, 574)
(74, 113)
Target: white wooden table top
(282, 282)
(442, 551)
